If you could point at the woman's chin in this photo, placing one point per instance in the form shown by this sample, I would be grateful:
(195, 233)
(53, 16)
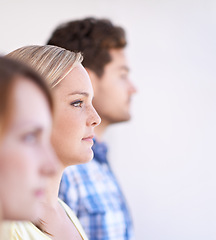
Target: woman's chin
(81, 158)
(87, 157)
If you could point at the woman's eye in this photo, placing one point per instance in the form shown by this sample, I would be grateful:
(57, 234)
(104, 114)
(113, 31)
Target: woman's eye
(77, 103)
(30, 138)
(124, 77)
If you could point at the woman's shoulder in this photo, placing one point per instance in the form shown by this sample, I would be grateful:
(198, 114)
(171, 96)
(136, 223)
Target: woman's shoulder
(74, 219)
(19, 230)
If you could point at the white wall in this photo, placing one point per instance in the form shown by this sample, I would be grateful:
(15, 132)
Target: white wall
(165, 157)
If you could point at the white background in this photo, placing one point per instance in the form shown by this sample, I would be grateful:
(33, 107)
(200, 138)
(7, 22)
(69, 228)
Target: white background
(165, 157)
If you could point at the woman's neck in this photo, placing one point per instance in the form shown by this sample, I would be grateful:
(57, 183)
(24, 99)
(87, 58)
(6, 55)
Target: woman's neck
(54, 221)
(50, 206)
(53, 188)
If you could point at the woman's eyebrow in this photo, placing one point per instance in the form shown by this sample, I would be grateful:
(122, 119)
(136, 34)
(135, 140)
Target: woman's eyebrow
(29, 125)
(79, 93)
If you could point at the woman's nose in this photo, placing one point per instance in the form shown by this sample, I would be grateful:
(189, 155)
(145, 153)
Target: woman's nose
(94, 119)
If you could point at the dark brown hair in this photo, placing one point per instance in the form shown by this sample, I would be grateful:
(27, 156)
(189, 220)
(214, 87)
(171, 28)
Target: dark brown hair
(93, 37)
(10, 72)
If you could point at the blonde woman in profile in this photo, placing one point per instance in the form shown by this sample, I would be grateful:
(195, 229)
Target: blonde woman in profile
(72, 136)
(27, 158)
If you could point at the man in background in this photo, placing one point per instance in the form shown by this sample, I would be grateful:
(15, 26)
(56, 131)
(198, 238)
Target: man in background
(91, 189)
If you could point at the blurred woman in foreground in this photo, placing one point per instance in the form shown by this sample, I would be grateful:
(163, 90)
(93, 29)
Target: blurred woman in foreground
(27, 158)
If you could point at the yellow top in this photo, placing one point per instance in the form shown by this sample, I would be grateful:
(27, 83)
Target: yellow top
(28, 231)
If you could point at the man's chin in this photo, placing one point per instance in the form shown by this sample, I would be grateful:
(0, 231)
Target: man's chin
(122, 119)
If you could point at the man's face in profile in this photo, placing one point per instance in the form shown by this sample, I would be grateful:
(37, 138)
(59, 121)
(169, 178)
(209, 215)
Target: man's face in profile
(113, 91)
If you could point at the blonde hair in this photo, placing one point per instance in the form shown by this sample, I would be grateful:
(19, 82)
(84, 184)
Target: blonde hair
(53, 63)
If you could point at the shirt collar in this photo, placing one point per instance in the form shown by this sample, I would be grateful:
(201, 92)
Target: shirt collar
(100, 152)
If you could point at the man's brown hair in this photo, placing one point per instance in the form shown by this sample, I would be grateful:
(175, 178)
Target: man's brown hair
(93, 37)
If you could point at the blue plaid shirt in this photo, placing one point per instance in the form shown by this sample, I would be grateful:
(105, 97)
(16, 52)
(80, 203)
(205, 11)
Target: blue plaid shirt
(93, 193)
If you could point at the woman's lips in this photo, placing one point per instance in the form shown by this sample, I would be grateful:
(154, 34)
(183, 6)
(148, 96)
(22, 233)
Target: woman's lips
(88, 139)
(39, 193)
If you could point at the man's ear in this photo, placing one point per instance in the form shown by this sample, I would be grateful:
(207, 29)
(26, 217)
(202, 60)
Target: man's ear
(94, 78)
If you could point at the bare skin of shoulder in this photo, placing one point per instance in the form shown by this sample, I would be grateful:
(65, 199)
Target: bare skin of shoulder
(56, 224)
